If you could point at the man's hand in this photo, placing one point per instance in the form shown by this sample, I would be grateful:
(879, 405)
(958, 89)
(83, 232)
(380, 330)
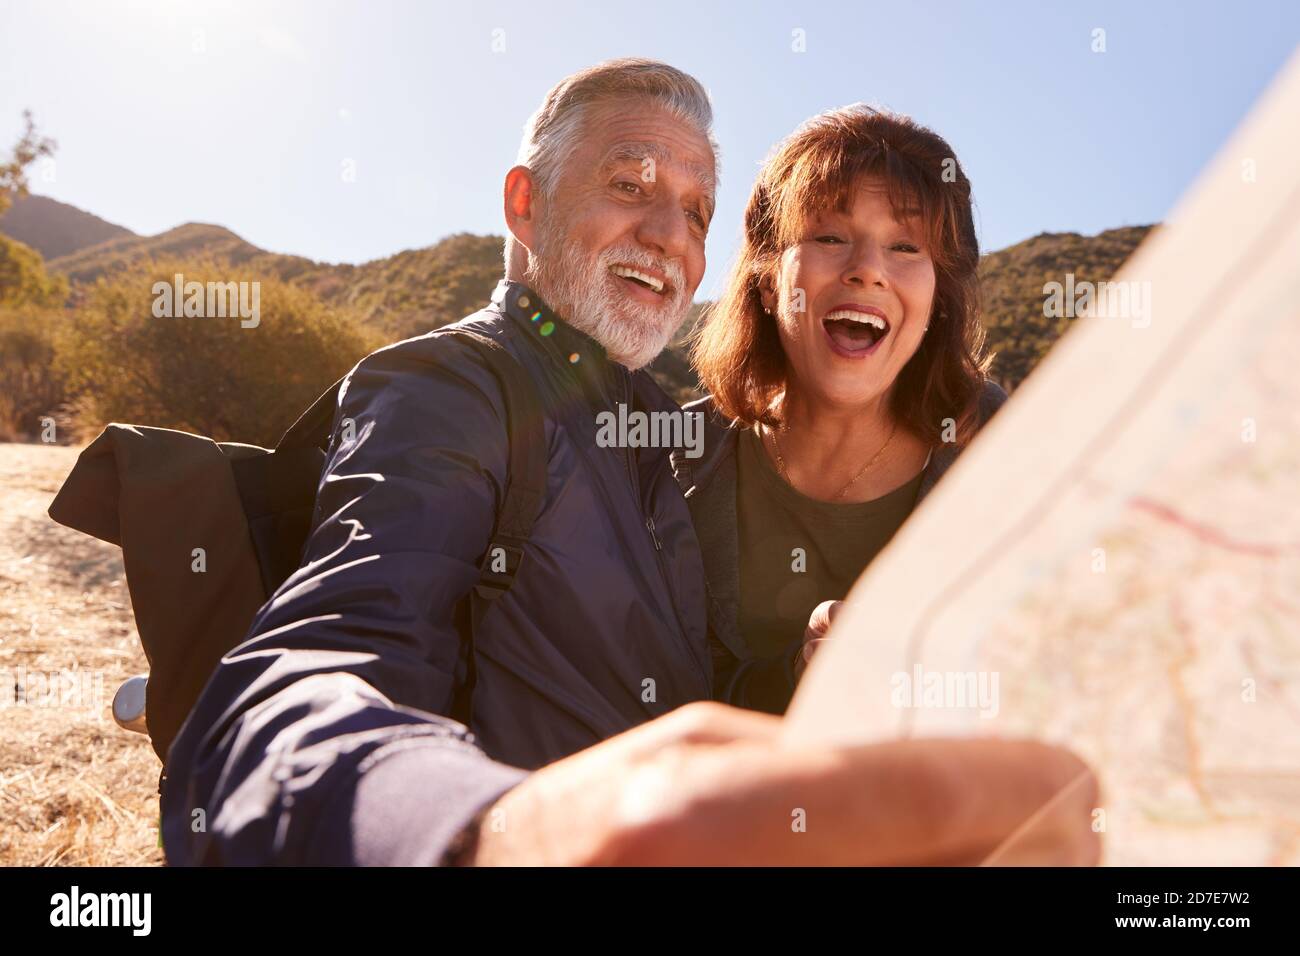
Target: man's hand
(714, 785)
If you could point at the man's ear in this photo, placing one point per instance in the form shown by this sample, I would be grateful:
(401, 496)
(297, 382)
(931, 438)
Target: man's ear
(521, 206)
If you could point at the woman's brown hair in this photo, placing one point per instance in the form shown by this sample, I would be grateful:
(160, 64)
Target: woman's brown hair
(738, 352)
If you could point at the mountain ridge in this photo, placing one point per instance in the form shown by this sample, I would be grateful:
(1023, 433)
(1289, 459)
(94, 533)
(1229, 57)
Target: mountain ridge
(55, 228)
(415, 290)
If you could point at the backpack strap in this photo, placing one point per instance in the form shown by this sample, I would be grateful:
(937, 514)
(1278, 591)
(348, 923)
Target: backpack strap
(520, 504)
(525, 488)
(525, 466)
(312, 429)
(521, 500)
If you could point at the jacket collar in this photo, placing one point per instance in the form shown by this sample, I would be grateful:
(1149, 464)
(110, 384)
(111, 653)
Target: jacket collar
(719, 446)
(582, 355)
(604, 381)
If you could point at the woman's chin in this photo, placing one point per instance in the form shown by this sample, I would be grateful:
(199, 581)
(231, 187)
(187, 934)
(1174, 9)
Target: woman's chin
(839, 390)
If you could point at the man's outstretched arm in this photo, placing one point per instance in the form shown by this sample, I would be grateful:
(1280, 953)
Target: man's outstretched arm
(714, 785)
(323, 739)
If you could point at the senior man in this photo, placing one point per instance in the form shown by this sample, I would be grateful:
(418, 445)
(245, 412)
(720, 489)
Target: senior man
(327, 736)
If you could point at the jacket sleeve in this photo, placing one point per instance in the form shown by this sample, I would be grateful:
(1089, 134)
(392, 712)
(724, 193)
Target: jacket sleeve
(323, 738)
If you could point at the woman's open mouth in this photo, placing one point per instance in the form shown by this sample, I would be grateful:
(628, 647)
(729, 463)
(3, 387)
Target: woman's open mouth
(854, 333)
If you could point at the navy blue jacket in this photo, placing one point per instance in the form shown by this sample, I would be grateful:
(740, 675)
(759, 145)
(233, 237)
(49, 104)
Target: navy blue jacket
(323, 738)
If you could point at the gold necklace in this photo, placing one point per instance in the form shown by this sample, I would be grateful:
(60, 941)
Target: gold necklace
(785, 472)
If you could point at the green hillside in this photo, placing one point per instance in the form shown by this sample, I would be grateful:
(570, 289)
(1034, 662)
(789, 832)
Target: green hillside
(1011, 286)
(421, 289)
(416, 290)
(194, 240)
(403, 295)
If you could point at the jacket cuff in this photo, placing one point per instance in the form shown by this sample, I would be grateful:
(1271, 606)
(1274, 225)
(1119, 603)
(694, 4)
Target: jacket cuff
(409, 804)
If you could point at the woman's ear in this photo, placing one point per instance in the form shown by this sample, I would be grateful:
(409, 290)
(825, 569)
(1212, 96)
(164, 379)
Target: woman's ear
(767, 292)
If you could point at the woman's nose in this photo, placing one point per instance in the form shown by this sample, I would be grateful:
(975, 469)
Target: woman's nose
(867, 266)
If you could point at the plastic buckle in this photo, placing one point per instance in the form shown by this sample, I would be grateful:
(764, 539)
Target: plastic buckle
(498, 569)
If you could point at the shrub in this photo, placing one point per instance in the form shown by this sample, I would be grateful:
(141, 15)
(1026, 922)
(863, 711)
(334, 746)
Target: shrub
(30, 389)
(206, 374)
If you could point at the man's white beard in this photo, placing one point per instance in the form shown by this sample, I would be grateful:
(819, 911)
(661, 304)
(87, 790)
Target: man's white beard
(580, 288)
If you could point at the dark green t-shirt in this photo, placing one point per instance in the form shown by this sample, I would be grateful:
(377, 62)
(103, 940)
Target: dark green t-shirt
(779, 585)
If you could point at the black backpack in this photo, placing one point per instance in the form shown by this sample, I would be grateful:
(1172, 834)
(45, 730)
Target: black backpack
(155, 492)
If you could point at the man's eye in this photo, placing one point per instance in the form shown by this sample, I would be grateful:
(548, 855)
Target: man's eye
(698, 218)
(632, 189)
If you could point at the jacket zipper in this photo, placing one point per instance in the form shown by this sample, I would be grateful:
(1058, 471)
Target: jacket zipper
(654, 534)
(682, 632)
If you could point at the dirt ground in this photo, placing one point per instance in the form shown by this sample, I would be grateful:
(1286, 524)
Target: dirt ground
(75, 789)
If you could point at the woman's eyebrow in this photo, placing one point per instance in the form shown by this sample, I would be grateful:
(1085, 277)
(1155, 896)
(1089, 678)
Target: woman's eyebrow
(910, 221)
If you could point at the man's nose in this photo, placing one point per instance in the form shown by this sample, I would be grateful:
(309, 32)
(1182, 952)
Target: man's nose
(663, 229)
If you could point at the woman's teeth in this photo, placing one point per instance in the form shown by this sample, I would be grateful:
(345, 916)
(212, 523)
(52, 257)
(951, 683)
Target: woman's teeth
(626, 272)
(864, 318)
(855, 331)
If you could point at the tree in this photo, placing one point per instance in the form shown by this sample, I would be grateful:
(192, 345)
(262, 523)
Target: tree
(29, 386)
(23, 279)
(13, 174)
(30, 308)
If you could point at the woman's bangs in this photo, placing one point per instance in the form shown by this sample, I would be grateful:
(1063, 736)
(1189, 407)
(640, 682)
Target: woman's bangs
(819, 183)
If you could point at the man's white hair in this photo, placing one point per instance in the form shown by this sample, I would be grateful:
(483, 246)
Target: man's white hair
(554, 131)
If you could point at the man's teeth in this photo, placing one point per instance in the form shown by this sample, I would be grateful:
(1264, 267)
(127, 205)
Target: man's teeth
(628, 273)
(864, 318)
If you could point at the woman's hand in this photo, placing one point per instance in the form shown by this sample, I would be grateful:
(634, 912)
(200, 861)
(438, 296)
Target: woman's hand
(819, 624)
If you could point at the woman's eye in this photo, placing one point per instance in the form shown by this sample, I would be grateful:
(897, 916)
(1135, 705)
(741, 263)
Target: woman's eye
(827, 239)
(906, 247)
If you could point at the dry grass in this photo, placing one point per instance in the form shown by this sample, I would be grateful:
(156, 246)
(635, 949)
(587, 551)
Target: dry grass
(74, 788)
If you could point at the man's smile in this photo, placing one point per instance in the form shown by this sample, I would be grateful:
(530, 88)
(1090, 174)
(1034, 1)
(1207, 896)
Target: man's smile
(641, 280)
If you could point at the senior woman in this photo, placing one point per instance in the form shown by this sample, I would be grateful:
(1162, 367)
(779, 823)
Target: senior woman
(846, 371)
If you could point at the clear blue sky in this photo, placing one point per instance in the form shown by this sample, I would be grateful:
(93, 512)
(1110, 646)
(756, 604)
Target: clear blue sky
(251, 130)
